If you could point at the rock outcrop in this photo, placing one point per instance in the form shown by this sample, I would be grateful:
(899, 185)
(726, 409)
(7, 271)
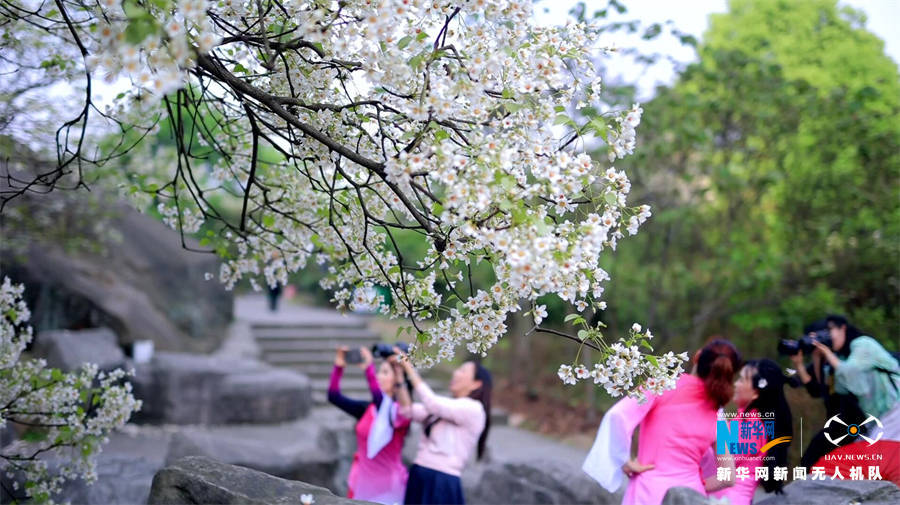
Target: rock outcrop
(134, 276)
(181, 388)
(69, 349)
(195, 479)
(536, 482)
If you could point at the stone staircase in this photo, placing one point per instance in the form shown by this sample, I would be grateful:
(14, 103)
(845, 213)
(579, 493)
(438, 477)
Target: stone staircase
(305, 339)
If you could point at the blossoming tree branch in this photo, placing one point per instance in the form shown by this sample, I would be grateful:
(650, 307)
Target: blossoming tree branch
(67, 415)
(342, 126)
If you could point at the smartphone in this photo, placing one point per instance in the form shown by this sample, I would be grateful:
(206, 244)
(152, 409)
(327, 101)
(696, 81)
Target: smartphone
(353, 357)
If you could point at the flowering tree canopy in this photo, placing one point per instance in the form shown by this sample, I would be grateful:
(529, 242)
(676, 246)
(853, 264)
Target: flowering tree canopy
(342, 126)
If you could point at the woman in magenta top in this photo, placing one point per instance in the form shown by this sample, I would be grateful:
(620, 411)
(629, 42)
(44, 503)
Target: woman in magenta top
(377, 473)
(677, 428)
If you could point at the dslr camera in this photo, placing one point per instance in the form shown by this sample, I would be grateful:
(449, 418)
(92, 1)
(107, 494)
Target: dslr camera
(387, 350)
(790, 347)
(379, 350)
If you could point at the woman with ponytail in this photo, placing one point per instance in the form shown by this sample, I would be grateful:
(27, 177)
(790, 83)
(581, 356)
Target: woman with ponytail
(759, 396)
(454, 428)
(677, 428)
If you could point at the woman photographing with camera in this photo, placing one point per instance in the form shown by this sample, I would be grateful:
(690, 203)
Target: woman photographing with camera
(872, 376)
(819, 378)
(377, 473)
(454, 428)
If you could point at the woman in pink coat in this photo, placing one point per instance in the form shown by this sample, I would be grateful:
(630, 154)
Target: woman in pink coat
(677, 428)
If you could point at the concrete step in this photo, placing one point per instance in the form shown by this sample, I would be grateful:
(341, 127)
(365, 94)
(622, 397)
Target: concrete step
(293, 332)
(299, 359)
(318, 370)
(260, 316)
(311, 344)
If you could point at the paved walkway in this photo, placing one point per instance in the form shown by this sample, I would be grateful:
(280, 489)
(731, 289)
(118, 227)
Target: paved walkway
(254, 309)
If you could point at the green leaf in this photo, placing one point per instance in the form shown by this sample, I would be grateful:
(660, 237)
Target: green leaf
(652, 359)
(139, 29)
(268, 221)
(611, 199)
(132, 9)
(416, 60)
(570, 317)
(32, 436)
(564, 119)
(598, 125)
(402, 43)
(644, 343)
(513, 107)
(583, 334)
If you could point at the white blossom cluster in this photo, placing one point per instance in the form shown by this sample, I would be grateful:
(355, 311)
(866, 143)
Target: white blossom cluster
(67, 414)
(624, 369)
(16, 334)
(445, 121)
(188, 220)
(150, 43)
(622, 141)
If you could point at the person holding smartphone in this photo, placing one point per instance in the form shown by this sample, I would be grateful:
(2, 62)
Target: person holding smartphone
(377, 473)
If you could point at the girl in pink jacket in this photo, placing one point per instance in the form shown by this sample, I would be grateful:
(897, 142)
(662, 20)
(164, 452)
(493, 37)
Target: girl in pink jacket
(377, 473)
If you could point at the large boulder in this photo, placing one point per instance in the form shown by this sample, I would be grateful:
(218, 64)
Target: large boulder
(317, 449)
(181, 388)
(199, 480)
(289, 451)
(684, 496)
(135, 276)
(540, 481)
(68, 350)
(836, 492)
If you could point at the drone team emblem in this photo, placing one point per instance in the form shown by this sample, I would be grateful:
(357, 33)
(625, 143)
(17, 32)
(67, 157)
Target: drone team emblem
(854, 430)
